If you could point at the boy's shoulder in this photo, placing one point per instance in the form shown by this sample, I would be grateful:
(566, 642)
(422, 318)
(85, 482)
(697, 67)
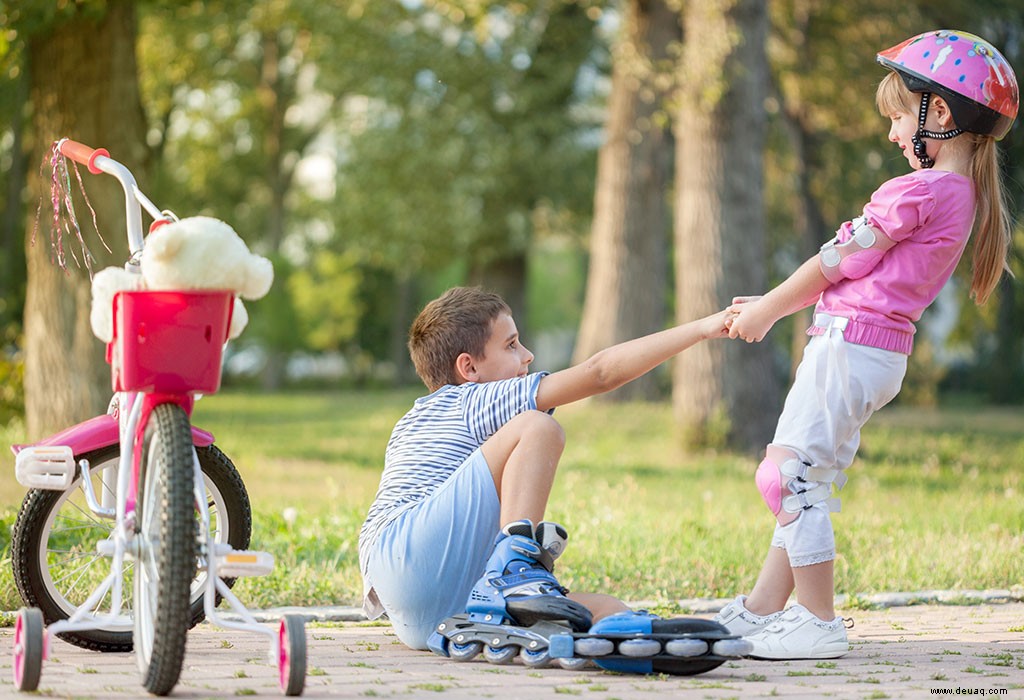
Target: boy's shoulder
(475, 396)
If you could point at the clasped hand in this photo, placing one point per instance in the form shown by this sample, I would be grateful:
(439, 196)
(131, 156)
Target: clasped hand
(747, 318)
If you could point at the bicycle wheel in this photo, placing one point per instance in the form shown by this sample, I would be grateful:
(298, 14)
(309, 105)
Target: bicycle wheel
(166, 537)
(53, 548)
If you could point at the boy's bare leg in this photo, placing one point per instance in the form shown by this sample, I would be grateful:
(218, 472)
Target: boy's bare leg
(523, 456)
(774, 584)
(599, 604)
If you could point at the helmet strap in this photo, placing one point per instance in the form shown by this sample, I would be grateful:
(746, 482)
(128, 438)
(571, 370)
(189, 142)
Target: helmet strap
(920, 149)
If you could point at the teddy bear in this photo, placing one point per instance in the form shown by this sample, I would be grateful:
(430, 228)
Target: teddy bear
(198, 252)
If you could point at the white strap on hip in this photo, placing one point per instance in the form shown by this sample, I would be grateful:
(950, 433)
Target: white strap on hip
(836, 364)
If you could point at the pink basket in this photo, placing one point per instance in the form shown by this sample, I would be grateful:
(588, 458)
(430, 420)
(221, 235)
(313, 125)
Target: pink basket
(169, 342)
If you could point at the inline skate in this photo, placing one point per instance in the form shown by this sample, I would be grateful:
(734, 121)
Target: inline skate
(518, 608)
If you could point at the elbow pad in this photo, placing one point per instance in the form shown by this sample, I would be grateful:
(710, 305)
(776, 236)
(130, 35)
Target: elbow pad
(857, 256)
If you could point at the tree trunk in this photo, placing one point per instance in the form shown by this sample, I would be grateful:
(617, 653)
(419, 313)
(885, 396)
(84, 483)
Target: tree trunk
(629, 240)
(83, 85)
(722, 390)
(506, 276)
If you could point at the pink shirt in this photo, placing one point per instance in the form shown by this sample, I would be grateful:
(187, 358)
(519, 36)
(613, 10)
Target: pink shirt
(929, 213)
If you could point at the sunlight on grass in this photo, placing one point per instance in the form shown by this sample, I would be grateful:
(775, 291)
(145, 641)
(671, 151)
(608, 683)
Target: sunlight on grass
(933, 500)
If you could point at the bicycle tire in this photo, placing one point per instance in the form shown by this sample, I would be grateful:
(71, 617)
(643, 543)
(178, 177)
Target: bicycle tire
(53, 546)
(167, 540)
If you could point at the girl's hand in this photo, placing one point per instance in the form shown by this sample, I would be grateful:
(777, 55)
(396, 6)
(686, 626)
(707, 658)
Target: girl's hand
(750, 320)
(744, 300)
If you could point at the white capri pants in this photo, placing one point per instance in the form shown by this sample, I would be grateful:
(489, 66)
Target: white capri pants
(838, 386)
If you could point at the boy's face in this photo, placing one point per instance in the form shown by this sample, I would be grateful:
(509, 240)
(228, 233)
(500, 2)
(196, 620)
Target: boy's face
(504, 356)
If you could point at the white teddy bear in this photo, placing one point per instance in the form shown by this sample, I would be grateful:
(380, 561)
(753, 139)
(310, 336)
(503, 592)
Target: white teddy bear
(194, 253)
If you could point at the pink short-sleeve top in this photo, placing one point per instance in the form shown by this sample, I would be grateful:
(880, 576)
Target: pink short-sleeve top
(929, 213)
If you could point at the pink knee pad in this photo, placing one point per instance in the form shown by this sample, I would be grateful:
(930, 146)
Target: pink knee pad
(773, 484)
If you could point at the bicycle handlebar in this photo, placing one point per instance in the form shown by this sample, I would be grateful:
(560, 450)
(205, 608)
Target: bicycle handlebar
(98, 161)
(80, 153)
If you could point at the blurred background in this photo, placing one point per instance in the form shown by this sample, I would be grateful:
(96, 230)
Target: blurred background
(609, 166)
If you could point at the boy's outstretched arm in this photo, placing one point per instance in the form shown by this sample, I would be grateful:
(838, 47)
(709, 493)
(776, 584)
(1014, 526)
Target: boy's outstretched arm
(612, 367)
(753, 319)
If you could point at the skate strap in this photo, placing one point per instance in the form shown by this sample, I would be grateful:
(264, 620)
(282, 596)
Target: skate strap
(527, 575)
(530, 548)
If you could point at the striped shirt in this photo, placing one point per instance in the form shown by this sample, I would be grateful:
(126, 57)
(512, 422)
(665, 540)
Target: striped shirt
(434, 438)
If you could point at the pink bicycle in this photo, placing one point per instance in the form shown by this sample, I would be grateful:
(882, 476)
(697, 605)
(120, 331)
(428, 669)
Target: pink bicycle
(176, 514)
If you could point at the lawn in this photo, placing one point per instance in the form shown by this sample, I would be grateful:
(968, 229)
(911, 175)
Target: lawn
(934, 499)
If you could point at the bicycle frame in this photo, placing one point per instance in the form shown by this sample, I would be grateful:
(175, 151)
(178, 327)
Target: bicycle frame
(166, 349)
(141, 380)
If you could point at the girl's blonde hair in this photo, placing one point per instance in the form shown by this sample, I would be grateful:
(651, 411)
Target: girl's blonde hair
(991, 216)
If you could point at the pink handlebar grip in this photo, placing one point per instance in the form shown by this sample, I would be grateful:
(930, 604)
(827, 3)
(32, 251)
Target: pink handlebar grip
(80, 153)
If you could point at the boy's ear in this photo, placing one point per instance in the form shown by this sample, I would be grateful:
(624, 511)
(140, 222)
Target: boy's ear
(465, 368)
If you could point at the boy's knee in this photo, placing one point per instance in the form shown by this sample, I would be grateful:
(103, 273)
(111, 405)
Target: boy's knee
(540, 424)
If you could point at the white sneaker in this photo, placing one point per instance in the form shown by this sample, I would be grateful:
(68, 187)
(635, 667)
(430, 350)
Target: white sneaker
(738, 620)
(798, 634)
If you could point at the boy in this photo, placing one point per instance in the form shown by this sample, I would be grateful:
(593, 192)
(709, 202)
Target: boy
(476, 459)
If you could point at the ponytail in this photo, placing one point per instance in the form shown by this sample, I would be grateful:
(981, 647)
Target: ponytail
(992, 220)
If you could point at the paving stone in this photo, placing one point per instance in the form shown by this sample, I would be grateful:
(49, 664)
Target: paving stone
(897, 652)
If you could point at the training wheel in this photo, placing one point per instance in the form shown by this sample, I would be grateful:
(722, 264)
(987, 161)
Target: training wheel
(29, 648)
(291, 656)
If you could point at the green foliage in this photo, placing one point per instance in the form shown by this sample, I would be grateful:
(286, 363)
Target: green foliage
(412, 144)
(12, 386)
(325, 298)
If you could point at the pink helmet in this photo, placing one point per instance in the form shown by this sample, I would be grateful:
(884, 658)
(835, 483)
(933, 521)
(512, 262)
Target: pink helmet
(966, 71)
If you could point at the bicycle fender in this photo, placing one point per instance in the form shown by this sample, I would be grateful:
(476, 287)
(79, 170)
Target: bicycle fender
(100, 432)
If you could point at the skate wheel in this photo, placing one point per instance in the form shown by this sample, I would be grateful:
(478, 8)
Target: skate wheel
(29, 634)
(535, 659)
(732, 647)
(639, 648)
(464, 652)
(291, 656)
(574, 664)
(686, 647)
(594, 647)
(500, 655)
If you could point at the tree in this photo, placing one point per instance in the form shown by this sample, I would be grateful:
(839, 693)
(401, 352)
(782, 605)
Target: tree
(80, 91)
(460, 139)
(628, 274)
(722, 390)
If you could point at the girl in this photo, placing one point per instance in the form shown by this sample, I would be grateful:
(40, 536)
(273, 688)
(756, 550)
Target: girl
(950, 95)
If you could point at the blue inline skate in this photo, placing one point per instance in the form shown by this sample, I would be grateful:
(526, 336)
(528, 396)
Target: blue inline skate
(639, 642)
(518, 608)
(517, 604)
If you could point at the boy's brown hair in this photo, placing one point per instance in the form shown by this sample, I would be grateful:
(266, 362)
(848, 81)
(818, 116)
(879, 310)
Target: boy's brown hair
(458, 321)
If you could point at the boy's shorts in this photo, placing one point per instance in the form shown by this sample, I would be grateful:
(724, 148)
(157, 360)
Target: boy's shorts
(427, 560)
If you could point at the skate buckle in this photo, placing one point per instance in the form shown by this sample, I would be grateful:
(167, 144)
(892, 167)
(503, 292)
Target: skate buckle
(49, 467)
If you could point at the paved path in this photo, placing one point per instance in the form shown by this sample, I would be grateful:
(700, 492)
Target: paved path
(899, 652)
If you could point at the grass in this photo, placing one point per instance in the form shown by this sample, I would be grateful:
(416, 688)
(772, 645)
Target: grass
(933, 500)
